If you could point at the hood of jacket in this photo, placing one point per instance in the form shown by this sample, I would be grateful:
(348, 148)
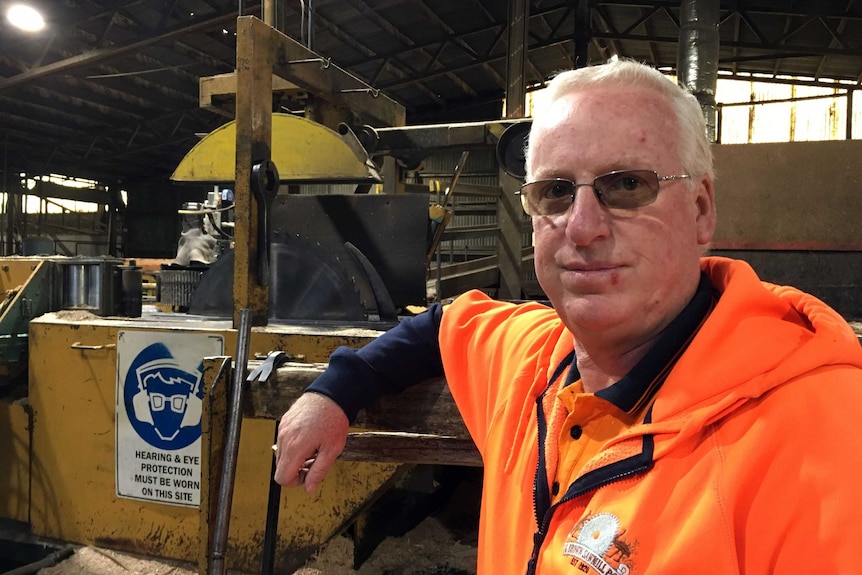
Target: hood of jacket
(759, 336)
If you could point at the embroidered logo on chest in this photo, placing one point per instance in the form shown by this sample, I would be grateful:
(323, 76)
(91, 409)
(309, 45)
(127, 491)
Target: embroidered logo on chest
(597, 546)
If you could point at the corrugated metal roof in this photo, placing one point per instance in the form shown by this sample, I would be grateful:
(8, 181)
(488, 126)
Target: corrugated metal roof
(110, 90)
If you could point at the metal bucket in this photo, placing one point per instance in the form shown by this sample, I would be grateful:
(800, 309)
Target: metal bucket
(88, 284)
(131, 290)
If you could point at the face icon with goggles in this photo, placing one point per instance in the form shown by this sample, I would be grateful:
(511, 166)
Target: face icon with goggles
(167, 397)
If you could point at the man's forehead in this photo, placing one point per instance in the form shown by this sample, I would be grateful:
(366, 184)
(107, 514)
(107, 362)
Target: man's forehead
(632, 107)
(603, 97)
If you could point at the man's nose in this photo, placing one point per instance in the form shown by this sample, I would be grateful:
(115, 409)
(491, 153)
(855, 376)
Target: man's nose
(586, 217)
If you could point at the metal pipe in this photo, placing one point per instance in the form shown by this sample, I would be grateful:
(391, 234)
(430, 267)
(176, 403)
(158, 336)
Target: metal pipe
(234, 423)
(269, 12)
(439, 271)
(303, 35)
(273, 14)
(5, 204)
(270, 533)
(310, 25)
(697, 55)
(462, 161)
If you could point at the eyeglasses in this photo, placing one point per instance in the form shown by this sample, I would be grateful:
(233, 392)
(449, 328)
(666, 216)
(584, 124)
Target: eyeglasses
(623, 189)
(158, 402)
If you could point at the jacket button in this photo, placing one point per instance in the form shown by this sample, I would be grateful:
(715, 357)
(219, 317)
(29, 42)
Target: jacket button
(576, 431)
(555, 487)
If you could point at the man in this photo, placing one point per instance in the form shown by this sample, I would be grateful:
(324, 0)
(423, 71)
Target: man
(672, 413)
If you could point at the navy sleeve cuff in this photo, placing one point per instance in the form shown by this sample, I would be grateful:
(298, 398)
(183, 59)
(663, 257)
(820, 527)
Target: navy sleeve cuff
(403, 356)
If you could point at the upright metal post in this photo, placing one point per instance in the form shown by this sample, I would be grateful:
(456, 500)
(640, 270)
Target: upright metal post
(509, 212)
(234, 424)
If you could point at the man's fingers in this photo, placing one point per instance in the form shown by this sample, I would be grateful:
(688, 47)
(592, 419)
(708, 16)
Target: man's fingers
(289, 468)
(285, 465)
(311, 435)
(316, 469)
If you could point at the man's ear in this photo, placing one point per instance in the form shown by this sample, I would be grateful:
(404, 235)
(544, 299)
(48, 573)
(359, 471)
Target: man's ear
(706, 216)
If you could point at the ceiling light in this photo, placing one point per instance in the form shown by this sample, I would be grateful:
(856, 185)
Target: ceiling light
(25, 17)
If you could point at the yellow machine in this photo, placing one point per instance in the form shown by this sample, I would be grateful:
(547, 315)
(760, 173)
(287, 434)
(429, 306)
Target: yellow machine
(113, 439)
(81, 465)
(99, 445)
(82, 489)
(89, 452)
(87, 457)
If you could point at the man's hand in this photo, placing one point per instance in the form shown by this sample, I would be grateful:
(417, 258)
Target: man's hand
(311, 435)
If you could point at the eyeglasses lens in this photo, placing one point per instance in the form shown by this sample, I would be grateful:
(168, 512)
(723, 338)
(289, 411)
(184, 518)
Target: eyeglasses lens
(627, 189)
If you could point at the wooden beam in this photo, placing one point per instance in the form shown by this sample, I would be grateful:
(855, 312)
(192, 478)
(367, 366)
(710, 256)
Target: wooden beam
(254, 61)
(420, 425)
(410, 448)
(295, 67)
(218, 93)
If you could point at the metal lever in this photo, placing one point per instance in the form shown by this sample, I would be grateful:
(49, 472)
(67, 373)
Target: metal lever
(264, 188)
(272, 362)
(261, 373)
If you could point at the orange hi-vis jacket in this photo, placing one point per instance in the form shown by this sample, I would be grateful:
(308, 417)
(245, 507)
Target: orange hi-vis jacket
(748, 460)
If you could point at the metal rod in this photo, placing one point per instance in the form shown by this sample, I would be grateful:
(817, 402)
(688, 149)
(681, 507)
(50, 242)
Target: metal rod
(303, 35)
(327, 62)
(5, 204)
(310, 26)
(439, 272)
(225, 495)
(373, 91)
(270, 534)
(462, 161)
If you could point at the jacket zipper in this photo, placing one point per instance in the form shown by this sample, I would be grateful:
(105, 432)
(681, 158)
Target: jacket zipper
(540, 485)
(539, 536)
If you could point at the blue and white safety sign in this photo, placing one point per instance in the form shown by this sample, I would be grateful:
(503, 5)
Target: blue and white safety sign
(158, 423)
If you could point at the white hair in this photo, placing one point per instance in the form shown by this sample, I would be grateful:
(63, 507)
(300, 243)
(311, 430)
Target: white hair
(694, 147)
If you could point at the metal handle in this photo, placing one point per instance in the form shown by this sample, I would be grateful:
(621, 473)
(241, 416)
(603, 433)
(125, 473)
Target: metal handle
(264, 188)
(79, 345)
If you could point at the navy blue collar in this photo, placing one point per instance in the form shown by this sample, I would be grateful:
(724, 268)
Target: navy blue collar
(637, 388)
(633, 392)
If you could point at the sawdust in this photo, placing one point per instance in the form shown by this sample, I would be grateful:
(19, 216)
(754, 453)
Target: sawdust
(75, 315)
(97, 561)
(428, 549)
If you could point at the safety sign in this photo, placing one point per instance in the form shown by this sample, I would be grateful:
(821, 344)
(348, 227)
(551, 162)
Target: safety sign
(158, 418)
